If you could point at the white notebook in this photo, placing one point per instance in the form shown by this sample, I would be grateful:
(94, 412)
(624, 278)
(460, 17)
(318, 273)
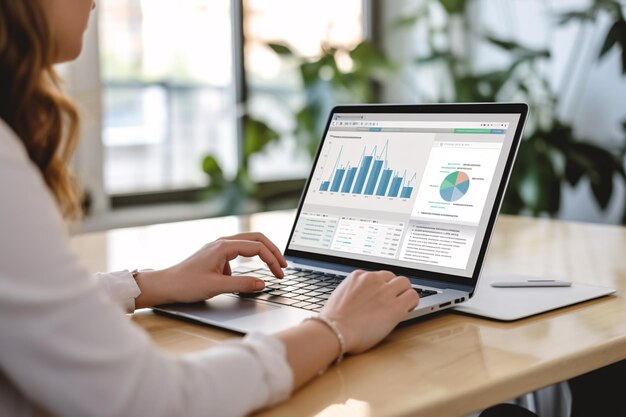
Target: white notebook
(509, 304)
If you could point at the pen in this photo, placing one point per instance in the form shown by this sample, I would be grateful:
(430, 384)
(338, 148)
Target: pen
(531, 283)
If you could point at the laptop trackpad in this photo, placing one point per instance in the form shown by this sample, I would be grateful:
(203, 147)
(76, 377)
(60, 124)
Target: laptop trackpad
(222, 308)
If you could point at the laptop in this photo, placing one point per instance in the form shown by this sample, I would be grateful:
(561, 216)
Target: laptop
(413, 189)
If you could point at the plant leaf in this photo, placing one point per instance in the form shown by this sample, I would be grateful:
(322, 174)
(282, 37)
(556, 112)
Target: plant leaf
(623, 45)
(574, 170)
(603, 189)
(310, 72)
(513, 203)
(599, 165)
(507, 45)
(257, 135)
(212, 168)
(611, 39)
(523, 52)
(453, 6)
(534, 180)
(281, 49)
(306, 127)
(407, 21)
(245, 183)
(367, 56)
(548, 185)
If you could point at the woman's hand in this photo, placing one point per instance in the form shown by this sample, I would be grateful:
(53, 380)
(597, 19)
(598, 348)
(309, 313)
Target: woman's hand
(367, 305)
(207, 273)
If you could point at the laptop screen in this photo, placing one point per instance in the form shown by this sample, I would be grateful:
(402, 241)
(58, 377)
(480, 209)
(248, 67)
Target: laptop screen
(405, 189)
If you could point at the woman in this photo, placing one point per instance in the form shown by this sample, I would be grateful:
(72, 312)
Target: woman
(66, 347)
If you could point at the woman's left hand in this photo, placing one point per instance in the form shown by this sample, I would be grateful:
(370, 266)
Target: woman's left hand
(207, 273)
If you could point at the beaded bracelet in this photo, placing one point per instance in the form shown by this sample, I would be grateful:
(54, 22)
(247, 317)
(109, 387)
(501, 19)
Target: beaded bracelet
(332, 325)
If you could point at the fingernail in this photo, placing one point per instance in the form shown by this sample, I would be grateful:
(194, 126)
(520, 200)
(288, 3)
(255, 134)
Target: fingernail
(258, 285)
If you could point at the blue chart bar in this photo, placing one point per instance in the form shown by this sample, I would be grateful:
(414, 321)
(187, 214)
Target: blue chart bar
(395, 186)
(373, 175)
(360, 180)
(347, 184)
(371, 183)
(337, 181)
(406, 192)
(384, 182)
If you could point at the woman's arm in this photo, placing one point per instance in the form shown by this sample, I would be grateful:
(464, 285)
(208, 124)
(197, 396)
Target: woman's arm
(66, 346)
(199, 277)
(365, 307)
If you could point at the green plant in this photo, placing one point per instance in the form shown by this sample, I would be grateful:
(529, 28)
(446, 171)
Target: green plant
(616, 35)
(257, 135)
(325, 84)
(551, 155)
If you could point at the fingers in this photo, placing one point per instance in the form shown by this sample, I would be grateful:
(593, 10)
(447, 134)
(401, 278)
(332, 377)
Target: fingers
(385, 276)
(227, 270)
(399, 284)
(406, 297)
(234, 248)
(409, 299)
(240, 283)
(260, 237)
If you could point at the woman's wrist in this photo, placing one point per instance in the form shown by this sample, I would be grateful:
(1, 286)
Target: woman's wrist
(311, 347)
(349, 337)
(334, 327)
(153, 288)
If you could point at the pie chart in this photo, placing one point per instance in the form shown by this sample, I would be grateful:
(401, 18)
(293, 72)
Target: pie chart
(454, 186)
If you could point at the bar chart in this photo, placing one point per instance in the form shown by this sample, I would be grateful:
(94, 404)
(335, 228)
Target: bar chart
(372, 175)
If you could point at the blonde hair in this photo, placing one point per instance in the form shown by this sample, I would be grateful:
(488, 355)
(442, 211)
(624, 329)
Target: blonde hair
(32, 103)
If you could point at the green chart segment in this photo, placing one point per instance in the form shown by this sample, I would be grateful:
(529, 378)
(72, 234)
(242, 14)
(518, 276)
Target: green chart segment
(454, 186)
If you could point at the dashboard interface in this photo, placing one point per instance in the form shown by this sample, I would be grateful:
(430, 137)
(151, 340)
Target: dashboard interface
(412, 190)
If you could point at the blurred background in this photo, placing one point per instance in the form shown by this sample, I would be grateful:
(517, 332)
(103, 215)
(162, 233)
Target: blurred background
(200, 108)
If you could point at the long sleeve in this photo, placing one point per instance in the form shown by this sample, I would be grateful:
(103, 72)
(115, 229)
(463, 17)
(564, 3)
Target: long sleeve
(67, 348)
(121, 288)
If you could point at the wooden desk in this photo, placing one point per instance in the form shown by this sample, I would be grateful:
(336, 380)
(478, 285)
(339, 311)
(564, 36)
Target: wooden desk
(445, 365)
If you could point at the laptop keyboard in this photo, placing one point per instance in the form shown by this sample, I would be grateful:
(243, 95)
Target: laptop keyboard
(300, 288)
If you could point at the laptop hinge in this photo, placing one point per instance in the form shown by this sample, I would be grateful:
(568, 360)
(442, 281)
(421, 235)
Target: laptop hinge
(334, 267)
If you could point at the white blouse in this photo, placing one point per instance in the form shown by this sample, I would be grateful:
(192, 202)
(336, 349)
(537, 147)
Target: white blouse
(67, 348)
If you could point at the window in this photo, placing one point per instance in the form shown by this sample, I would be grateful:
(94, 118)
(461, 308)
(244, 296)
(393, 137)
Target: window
(168, 92)
(274, 86)
(169, 73)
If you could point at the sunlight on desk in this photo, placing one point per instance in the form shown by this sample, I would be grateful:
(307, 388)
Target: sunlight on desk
(353, 408)
(162, 245)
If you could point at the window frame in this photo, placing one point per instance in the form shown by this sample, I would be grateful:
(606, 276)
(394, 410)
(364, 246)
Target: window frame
(88, 160)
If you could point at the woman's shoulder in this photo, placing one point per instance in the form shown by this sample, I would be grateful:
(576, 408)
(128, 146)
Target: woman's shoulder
(11, 147)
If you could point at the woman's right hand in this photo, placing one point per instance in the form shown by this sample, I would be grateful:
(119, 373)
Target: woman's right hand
(366, 307)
